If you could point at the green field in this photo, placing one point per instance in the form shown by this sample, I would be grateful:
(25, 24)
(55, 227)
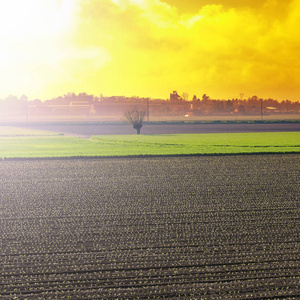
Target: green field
(30, 144)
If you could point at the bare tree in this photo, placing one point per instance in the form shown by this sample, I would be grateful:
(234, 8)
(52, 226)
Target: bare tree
(136, 118)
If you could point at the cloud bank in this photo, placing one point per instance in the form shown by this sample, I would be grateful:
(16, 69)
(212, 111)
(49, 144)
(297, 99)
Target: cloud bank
(220, 51)
(150, 48)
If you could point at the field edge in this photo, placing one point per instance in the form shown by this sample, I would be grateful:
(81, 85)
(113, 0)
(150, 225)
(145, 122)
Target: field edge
(144, 156)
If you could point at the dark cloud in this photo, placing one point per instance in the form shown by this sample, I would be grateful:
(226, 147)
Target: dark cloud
(193, 6)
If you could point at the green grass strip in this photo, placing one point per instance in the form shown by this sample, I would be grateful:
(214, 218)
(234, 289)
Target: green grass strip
(132, 145)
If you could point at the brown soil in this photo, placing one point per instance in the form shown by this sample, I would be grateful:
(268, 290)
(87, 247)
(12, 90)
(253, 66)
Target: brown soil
(89, 130)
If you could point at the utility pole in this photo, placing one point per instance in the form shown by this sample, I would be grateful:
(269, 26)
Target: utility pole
(26, 111)
(148, 109)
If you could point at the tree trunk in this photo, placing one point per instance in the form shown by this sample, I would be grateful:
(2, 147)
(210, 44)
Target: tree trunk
(138, 130)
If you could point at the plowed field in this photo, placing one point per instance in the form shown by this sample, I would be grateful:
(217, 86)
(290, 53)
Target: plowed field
(89, 130)
(164, 227)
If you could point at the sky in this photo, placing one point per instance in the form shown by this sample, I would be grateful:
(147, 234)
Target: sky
(149, 48)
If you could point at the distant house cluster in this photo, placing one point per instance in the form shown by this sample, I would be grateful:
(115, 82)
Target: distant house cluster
(88, 106)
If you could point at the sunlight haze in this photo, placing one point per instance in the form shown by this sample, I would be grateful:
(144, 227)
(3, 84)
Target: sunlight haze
(149, 48)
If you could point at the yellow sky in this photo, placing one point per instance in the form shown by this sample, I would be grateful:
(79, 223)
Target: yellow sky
(149, 48)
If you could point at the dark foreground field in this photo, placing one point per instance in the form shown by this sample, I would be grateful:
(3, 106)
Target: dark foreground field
(191, 228)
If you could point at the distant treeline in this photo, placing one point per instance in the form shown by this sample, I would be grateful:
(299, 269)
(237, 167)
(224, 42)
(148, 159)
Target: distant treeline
(88, 105)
